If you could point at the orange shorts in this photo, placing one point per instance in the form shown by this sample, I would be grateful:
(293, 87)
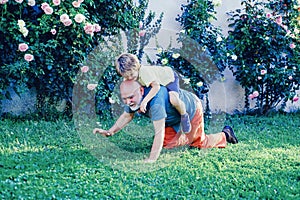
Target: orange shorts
(196, 137)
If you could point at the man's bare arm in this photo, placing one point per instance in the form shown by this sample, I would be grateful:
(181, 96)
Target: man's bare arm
(159, 128)
(121, 122)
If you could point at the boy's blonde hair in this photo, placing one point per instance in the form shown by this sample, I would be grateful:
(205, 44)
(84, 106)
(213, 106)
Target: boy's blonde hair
(126, 63)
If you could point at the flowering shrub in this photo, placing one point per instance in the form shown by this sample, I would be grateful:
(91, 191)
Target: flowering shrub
(200, 57)
(43, 42)
(196, 21)
(263, 51)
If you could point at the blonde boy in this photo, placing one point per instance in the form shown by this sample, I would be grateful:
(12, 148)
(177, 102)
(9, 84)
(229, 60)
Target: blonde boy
(129, 67)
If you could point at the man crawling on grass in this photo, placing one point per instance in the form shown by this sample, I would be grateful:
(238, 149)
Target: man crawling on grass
(166, 120)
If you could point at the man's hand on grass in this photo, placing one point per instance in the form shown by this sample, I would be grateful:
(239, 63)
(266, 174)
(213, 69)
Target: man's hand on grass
(103, 132)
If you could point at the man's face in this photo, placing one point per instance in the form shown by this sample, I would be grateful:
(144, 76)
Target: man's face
(132, 96)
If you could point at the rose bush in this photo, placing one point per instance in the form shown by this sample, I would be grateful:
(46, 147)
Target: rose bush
(263, 51)
(43, 42)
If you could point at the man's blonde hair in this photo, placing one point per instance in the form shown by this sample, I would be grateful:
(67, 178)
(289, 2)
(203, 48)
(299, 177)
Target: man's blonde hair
(126, 63)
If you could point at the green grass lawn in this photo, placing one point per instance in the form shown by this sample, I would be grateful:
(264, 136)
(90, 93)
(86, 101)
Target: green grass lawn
(49, 160)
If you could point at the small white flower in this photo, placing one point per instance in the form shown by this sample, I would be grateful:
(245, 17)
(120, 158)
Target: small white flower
(159, 50)
(21, 23)
(24, 31)
(217, 2)
(200, 84)
(175, 55)
(267, 38)
(164, 61)
(31, 2)
(234, 57)
(111, 100)
(219, 39)
(186, 80)
(182, 31)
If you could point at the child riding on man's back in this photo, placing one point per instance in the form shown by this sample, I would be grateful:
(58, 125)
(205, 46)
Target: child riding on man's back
(129, 67)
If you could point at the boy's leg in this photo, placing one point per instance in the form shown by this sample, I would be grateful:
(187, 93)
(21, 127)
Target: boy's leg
(180, 107)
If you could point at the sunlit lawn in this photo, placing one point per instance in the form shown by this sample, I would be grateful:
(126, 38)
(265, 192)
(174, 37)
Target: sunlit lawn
(47, 160)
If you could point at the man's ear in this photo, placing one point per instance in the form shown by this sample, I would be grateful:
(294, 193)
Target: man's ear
(142, 90)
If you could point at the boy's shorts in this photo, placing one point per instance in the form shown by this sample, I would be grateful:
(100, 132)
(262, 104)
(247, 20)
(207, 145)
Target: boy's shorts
(174, 86)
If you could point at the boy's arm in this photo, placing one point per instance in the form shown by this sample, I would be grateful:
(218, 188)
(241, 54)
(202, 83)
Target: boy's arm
(159, 128)
(121, 122)
(153, 91)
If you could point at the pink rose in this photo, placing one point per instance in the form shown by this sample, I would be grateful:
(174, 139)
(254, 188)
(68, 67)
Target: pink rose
(76, 4)
(80, 1)
(285, 27)
(3, 1)
(56, 2)
(255, 94)
(48, 10)
(295, 98)
(292, 46)
(67, 22)
(44, 5)
(268, 15)
(290, 78)
(263, 72)
(97, 28)
(84, 69)
(28, 57)
(279, 20)
(91, 86)
(142, 33)
(251, 96)
(259, 78)
(23, 47)
(64, 17)
(53, 31)
(79, 18)
(89, 29)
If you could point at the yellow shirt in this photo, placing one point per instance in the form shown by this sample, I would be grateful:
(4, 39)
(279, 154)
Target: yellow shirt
(162, 75)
